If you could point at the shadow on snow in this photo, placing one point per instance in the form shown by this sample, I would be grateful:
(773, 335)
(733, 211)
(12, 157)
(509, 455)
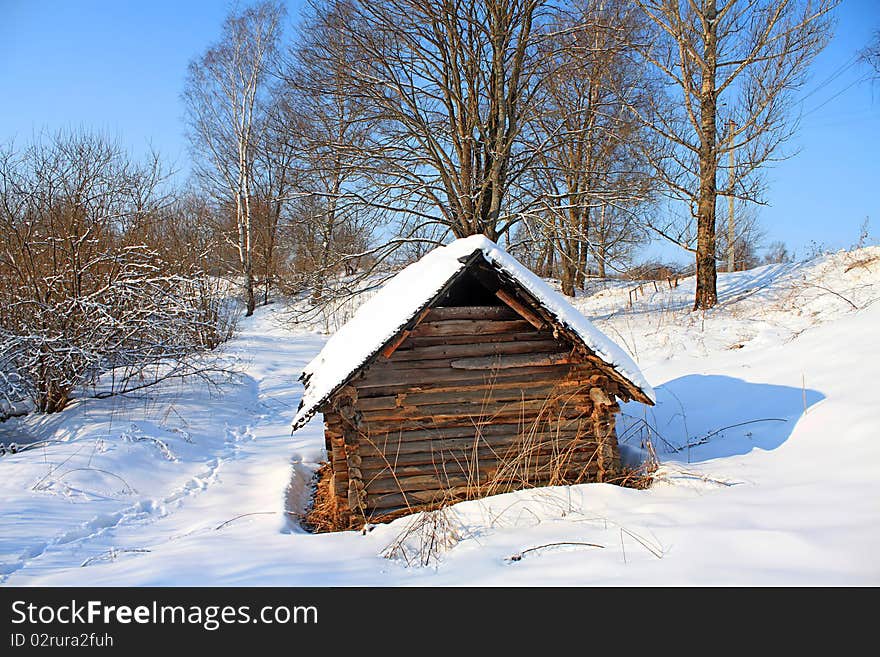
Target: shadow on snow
(702, 417)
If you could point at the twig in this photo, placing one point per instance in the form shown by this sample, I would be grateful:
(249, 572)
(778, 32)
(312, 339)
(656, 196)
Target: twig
(804, 390)
(519, 555)
(131, 489)
(254, 513)
(837, 294)
(111, 555)
(705, 439)
(655, 551)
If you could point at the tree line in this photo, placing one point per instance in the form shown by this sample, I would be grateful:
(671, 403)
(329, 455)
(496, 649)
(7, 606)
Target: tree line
(340, 143)
(572, 131)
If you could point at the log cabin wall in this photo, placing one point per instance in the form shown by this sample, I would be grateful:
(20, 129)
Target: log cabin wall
(475, 400)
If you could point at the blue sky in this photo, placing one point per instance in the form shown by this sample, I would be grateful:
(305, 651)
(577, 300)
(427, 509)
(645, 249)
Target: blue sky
(119, 67)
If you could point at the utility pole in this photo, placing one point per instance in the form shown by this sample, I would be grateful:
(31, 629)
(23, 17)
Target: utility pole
(731, 235)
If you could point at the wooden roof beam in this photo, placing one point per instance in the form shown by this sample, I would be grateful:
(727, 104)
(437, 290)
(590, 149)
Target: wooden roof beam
(520, 309)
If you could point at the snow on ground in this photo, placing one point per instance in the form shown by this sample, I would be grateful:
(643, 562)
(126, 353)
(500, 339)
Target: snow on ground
(190, 485)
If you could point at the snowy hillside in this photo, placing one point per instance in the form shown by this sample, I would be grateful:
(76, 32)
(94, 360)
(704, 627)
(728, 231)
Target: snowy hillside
(766, 427)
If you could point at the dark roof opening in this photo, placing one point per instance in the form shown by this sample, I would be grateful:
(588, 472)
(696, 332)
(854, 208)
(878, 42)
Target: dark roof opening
(474, 287)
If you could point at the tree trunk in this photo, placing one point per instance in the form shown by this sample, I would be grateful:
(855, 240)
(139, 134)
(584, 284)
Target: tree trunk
(707, 295)
(567, 280)
(250, 299)
(583, 242)
(601, 244)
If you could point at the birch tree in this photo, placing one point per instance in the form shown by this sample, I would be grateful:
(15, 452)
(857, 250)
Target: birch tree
(225, 96)
(733, 62)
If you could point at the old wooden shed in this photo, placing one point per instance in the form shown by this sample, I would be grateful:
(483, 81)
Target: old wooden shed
(465, 375)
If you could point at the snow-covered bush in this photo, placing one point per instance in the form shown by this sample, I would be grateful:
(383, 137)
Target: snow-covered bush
(82, 293)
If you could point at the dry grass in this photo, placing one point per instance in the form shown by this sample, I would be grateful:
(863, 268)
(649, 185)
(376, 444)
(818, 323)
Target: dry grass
(324, 514)
(425, 538)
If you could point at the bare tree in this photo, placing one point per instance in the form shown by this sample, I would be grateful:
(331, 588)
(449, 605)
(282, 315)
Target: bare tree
(277, 178)
(587, 174)
(449, 85)
(330, 124)
(224, 96)
(871, 54)
(738, 61)
(82, 291)
(777, 252)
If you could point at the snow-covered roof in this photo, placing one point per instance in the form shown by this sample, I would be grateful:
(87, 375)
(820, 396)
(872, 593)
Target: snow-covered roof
(402, 298)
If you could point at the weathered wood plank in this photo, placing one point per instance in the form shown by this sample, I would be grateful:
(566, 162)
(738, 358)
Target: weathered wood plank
(498, 392)
(476, 348)
(525, 312)
(430, 341)
(392, 451)
(563, 416)
(380, 455)
(516, 360)
(487, 461)
(481, 477)
(470, 327)
(431, 376)
(478, 411)
(503, 380)
(392, 346)
(443, 313)
(585, 423)
(524, 421)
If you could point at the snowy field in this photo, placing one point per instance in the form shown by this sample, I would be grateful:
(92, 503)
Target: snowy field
(767, 428)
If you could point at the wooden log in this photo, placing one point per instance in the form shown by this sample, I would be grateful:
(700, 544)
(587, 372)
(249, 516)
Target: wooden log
(499, 392)
(443, 313)
(519, 336)
(470, 327)
(488, 462)
(431, 376)
(456, 460)
(392, 346)
(424, 404)
(600, 397)
(462, 449)
(481, 477)
(379, 455)
(393, 427)
(503, 379)
(521, 309)
(415, 498)
(470, 431)
(518, 360)
(476, 348)
(430, 450)
(389, 349)
(526, 418)
(392, 513)
(356, 498)
(479, 410)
